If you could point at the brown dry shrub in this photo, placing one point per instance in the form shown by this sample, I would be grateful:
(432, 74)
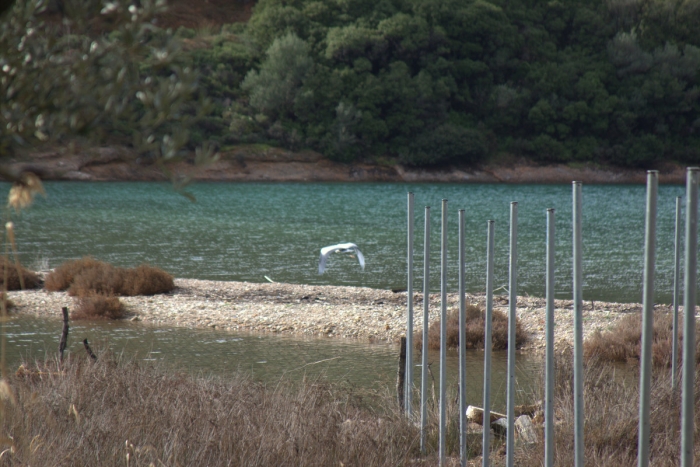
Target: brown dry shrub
(100, 279)
(63, 276)
(146, 280)
(99, 306)
(622, 343)
(31, 279)
(475, 319)
(88, 276)
(97, 413)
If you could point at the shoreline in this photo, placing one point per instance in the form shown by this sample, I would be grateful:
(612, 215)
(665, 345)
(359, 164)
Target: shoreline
(255, 164)
(359, 313)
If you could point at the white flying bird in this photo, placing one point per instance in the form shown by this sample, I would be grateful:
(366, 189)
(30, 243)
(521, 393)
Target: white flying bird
(339, 248)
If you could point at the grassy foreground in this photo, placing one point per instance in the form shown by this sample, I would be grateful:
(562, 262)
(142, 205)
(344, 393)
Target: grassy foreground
(112, 413)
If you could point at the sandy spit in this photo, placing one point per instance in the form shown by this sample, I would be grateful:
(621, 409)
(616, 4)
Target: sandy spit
(329, 311)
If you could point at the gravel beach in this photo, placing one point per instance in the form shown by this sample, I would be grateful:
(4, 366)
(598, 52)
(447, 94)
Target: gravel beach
(338, 312)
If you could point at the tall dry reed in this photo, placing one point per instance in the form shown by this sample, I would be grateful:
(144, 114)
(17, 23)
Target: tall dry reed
(611, 408)
(113, 413)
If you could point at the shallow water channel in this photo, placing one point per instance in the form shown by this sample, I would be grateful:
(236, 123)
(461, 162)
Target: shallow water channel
(206, 353)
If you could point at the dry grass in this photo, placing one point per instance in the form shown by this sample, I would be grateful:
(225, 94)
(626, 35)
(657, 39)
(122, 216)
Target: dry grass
(99, 306)
(474, 330)
(87, 276)
(623, 342)
(111, 413)
(611, 408)
(29, 278)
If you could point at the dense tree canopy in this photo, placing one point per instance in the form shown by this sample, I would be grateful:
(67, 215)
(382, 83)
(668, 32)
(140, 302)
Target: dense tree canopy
(442, 81)
(422, 81)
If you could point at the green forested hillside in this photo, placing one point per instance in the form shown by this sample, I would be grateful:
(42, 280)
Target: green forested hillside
(422, 82)
(442, 81)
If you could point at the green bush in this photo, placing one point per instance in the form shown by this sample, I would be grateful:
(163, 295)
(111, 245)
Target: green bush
(445, 145)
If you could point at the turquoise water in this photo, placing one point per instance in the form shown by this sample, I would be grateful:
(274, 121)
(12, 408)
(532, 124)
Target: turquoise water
(245, 231)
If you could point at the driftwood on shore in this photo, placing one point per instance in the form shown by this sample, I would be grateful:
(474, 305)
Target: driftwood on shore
(524, 428)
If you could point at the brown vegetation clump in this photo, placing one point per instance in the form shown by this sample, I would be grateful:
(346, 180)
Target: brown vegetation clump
(104, 412)
(622, 343)
(87, 276)
(14, 272)
(99, 306)
(475, 319)
(146, 280)
(611, 401)
(63, 276)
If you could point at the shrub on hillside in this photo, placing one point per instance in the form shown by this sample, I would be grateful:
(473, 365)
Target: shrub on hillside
(99, 306)
(446, 144)
(88, 276)
(14, 272)
(474, 331)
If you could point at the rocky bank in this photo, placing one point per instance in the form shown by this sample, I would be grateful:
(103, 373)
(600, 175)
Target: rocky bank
(321, 311)
(255, 163)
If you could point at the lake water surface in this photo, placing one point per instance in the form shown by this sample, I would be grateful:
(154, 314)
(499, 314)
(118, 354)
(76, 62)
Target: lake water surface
(245, 231)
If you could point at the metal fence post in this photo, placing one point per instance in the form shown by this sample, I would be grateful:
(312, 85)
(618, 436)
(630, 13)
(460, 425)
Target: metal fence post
(512, 305)
(549, 350)
(647, 319)
(426, 323)
(690, 283)
(462, 349)
(578, 326)
(443, 333)
(676, 296)
(488, 330)
(408, 387)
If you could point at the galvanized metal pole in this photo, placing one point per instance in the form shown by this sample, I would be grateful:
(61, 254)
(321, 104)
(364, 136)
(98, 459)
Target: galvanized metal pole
(647, 319)
(408, 403)
(426, 323)
(488, 330)
(443, 334)
(676, 296)
(578, 326)
(512, 304)
(462, 349)
(691, 260)
(549, 349)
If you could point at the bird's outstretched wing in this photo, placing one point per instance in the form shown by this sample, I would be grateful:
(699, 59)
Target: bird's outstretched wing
(322, 262)
(345, 248)
(360, 257)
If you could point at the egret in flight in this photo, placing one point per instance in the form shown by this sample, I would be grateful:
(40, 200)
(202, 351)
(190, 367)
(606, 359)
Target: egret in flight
(339, 248)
